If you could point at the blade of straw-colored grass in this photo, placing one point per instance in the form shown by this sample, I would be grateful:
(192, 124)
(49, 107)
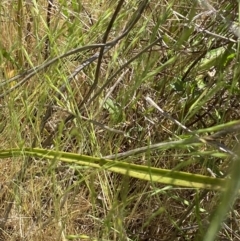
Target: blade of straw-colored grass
(101, 53)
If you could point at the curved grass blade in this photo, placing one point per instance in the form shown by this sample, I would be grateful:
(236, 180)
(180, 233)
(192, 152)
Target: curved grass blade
(147, 173)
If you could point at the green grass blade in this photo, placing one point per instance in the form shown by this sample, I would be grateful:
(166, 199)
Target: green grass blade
(147, 173)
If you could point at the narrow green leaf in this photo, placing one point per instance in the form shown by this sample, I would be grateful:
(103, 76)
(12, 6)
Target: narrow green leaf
(147, 173)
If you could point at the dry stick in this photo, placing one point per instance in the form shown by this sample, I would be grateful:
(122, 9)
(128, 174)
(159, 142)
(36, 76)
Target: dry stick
(105, 37)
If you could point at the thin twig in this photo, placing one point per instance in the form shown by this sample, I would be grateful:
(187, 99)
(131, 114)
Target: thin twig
(100, 56)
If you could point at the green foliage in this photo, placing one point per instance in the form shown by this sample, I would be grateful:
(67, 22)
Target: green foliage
(85, 155)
